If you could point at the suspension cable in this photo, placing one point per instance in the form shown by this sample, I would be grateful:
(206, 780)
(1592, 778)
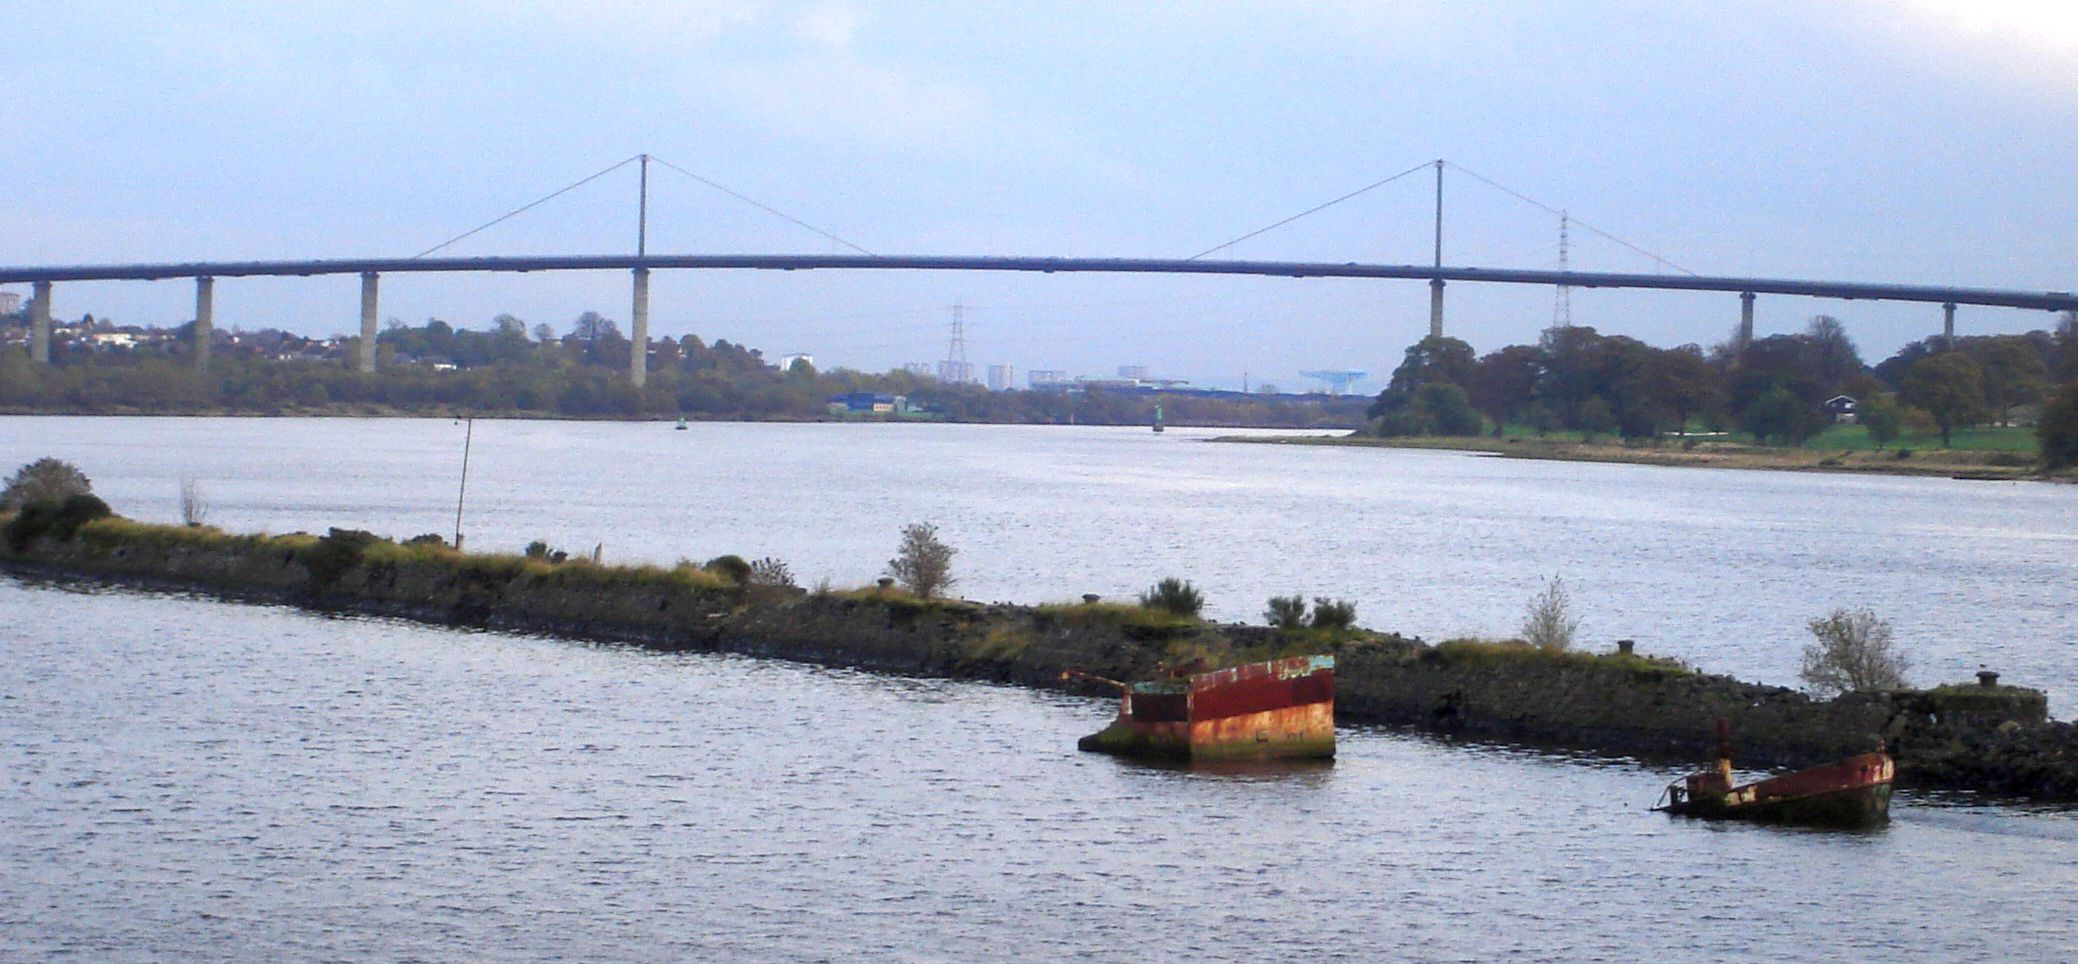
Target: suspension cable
(1548, 209)
(525, 208)
(768, 209)
(1313, 210)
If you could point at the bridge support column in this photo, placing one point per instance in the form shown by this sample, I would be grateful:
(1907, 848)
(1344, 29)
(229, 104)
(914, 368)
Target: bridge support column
(368, 304)
(638, 332)
(1745, 319)
(1948, 326)
(205, 320)
(40, 322)
(1436, 307)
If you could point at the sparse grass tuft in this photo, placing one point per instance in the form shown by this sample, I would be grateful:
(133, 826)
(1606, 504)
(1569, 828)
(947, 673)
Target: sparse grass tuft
(1500, 652)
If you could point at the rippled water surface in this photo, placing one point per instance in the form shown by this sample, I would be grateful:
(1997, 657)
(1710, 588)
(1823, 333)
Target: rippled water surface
(197, 779)
(186, 778)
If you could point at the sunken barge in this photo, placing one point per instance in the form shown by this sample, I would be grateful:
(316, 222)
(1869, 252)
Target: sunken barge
(1281, 709)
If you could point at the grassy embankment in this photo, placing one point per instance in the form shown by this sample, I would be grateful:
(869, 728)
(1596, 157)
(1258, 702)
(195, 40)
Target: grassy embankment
(1987, 453)
(696, 605)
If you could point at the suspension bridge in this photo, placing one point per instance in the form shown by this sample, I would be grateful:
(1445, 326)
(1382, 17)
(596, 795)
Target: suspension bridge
(1437, 274)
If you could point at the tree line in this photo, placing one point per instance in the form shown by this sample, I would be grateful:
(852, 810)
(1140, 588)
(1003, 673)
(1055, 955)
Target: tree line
(1774, 389)
(511, 369)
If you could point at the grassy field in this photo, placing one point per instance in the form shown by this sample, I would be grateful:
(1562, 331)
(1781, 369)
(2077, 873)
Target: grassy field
(1985, 439)
(1837, 438)
(1986, 453)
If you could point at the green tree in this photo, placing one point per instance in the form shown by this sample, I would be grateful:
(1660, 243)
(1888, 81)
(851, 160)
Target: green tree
(2012, 371)
(1949, 387)
(1286, 612)
(1880, 417)
(1436, 358)
(46, 481)
(922, 563)
(1685, 383)
(1595, 417)
(2065, 342)
(1549, 621)
(1444, 410)
(1503, 384)
(1833, 357)
(1853, 652)
(1779, 415)
(1333, 615)
(1173, 595)
(2058, 429)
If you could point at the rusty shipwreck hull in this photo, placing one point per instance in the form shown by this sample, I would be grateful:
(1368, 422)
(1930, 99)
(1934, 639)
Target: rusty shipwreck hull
(1280, 709)
(1854, 792)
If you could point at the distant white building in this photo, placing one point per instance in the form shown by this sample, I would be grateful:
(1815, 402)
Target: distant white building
(786, 362)
(921, 369)
(1001, 378)
(955, 372)
(10, 302)
(1043, 377)
(1136, 373)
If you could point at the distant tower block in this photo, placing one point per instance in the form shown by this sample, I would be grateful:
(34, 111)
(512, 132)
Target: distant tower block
(1338, 381)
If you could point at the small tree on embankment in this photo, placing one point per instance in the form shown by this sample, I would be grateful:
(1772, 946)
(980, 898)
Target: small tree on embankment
(1853, 652)
(922, 563)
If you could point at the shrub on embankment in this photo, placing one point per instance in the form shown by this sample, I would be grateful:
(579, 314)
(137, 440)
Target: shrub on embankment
(1993, 738)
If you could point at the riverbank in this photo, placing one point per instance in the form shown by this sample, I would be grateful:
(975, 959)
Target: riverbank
(1715, 454)
(1993, 739)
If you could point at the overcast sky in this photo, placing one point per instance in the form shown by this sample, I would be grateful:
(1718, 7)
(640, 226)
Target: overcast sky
(1921, 141)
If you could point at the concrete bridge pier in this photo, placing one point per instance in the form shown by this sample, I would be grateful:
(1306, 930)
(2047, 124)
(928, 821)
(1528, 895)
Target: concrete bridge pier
(368, 305)
(1435, 307)
(1948, 326)
(1745, 319)
(638, 332)
(40, 322)
(205, 319)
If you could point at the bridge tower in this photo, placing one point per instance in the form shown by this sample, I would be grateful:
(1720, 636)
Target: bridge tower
(1436, 284)
(1745, 320)
(1562, 308)
(205, 320)
(40, 322)
(638, 324)
(369, 281)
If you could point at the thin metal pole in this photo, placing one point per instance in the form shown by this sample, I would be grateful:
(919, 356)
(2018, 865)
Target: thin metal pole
(642, 213)
(468, 436)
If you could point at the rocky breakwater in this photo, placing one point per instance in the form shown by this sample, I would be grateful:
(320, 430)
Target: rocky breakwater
(1991, 738)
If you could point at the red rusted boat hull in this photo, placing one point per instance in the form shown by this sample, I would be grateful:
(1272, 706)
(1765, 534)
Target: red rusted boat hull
(1281, 709)
(1854, 792)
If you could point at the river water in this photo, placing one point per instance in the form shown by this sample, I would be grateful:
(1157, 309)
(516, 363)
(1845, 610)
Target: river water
(186, 778)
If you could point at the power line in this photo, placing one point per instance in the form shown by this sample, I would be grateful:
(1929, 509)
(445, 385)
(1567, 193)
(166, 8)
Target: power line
(525, 207)
(768, 209)
(1548, 209)
(1313, 210)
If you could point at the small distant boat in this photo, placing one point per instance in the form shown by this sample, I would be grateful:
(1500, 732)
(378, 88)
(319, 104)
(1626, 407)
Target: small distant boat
(1854, 792)
(1279, 709)
(681, 423)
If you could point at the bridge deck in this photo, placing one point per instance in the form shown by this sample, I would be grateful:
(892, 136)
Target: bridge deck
(1996, 297)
